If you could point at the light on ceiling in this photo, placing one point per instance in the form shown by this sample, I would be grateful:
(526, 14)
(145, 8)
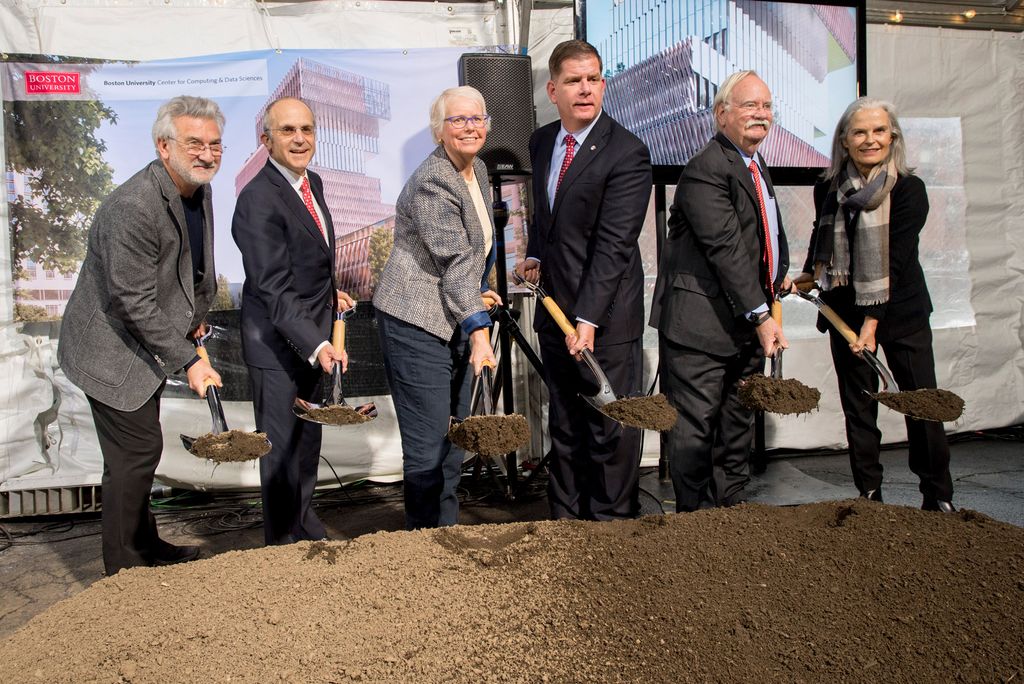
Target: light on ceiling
(970, 14)
(898, 17)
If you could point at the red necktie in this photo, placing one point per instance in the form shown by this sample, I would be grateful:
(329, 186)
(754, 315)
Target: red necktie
(570, 147)
(307, 197)
(764, 221)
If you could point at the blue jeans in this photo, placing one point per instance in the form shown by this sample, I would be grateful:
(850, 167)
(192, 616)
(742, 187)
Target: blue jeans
(430, 382)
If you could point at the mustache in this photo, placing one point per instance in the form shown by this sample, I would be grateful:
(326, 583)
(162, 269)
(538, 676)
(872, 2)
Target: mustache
(204, 164)
(759, 122)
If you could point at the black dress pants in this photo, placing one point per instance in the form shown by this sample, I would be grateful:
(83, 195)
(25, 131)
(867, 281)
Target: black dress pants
(288, 474)
(131, 443)
(912, 363)
(709, 447)
(594, 461)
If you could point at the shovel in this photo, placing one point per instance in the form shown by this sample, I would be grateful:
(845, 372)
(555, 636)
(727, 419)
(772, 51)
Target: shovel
(776, 394)
(247, 445)
(332, 408)
(644, 412)
(937, 405)
(604, 395)
(486, 433)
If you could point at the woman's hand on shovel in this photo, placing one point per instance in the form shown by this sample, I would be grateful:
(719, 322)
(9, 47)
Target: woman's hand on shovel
(480, 352)
(866, 339)
(201, 375)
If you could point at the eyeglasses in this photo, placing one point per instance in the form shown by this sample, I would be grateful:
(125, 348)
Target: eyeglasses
(196, 148)
(754, 106)
(461, 121)
(290, 131)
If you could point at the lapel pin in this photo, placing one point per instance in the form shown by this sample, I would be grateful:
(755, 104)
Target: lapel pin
(593, 147)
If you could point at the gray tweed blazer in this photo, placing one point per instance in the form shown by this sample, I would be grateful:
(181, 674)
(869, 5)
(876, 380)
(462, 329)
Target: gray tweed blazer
(432, 278)
(126, 325)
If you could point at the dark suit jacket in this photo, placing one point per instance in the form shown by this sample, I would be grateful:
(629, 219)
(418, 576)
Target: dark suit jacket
(288, 297)
(712, 272)
(125, 327)
(909, 303)
(587, 242)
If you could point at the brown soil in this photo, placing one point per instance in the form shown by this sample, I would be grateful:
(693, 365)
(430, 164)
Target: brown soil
(233, 445)
(928, 404)
(491, 435)
(849, 591)
(337, 414)
(646, 413)
(778, 395)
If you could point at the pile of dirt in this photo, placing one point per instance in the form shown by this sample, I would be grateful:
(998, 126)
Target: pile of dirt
(491, 435)
(230, 446)
(337, 414)
(844, 591)
(646, 413)
(778, 395)
(928, 404)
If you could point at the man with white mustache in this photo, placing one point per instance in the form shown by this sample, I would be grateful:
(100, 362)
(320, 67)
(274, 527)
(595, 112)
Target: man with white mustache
(724, 261)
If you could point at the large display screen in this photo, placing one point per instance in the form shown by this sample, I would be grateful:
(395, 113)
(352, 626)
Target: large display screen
(664, 61)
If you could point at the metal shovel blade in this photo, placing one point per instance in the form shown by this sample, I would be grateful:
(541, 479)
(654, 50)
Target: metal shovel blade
(328, 390)
(888, 384)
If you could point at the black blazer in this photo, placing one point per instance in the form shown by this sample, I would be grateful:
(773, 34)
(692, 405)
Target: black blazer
(909, 304)
(712, 272)
(587, 242)
(288, 297)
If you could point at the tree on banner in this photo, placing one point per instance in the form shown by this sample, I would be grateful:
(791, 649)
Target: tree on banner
(54, 146)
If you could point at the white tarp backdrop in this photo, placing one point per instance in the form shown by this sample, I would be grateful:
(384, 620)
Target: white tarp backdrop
(973, 77)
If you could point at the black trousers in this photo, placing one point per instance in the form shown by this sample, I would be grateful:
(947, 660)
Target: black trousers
(594, 461)
(131, 443)
(288, 474)
(709, 447)
(912, 363)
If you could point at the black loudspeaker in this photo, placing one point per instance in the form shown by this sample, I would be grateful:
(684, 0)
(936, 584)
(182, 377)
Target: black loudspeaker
(506, 82)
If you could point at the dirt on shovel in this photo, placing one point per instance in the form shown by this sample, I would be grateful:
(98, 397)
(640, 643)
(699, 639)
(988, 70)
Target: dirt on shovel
(337, 414)
(231, 446)
(783, 396)
(646, 413)
(493, 435)
(927, 404)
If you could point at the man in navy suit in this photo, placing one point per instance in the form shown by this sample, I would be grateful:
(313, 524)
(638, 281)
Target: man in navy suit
(284, 231)
(591, 187)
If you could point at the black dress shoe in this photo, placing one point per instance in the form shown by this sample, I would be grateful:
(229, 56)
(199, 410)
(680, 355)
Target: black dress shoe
(936, 505)
(873, 495)
(169, 554)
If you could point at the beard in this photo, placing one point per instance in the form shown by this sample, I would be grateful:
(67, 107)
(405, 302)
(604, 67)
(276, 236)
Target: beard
(192, 170)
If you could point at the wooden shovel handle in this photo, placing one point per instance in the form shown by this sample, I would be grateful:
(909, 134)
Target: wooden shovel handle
(338, 336)
(829, 313)
(202, 353)
(558, 316)
(777, 312)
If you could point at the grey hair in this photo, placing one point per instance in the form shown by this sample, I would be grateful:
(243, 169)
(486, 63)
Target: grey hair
(897, 149)
(266, 112)
(439, 107)
(725, 90)
(184, 105)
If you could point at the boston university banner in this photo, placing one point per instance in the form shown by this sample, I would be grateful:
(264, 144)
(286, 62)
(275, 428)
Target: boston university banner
(75, 129)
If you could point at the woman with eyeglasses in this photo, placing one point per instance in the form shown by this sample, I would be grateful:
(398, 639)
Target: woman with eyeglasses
(870, 209)
(432, 323)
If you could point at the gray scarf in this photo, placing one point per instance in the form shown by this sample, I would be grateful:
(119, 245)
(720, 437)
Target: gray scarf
(868, 265)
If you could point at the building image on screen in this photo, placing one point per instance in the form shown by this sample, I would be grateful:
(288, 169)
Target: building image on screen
(664, 61)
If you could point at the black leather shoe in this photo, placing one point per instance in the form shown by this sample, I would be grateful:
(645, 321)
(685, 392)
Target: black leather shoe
(873, 495)
(169, 554)
(936, 505)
